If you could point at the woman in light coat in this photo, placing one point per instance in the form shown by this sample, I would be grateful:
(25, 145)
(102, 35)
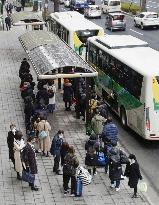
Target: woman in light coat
(51, 92)
(44, 143)
(18, 146)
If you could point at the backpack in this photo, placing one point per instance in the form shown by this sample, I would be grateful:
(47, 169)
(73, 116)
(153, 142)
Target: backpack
(50, 93)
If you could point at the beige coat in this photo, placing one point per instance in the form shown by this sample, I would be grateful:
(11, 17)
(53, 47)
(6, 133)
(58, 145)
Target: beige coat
(44, 143)
(18, 146)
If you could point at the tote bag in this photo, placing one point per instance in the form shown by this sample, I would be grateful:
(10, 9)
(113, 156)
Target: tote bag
(28, 177)
(142, 186)
(42, 133)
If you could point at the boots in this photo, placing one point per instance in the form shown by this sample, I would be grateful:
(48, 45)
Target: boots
(18, 176)
(89, 170)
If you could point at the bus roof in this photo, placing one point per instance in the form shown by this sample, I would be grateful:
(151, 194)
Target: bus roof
(142, 59)
(117, 41)
(74, 21)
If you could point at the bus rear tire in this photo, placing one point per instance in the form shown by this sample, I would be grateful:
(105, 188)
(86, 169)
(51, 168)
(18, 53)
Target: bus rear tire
(123, 117)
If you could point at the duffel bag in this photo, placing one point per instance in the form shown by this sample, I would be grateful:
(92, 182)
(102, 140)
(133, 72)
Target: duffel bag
(101, 159)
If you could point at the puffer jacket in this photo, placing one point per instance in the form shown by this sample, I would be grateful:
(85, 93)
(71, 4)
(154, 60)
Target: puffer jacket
(110, 132)
(97, 124)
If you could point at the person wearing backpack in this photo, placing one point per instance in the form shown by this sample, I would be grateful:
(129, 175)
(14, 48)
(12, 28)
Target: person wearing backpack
(92, 142)
(56, 150)
(51, 89)
(90, 160)
(132, 171)
(115, 166)
(69, 171)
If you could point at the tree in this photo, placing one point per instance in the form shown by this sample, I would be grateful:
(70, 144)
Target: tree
(143, 5)
(56, 5)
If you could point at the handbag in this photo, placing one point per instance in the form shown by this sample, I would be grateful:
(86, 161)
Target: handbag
(84, 175)
(142, 186)
(42, 134)
(28, 177)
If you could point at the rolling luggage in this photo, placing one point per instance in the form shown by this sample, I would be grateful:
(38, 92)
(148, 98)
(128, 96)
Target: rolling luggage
(79, 187)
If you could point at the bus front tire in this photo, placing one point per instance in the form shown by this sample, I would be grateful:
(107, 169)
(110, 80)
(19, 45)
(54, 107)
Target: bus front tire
(123, 117)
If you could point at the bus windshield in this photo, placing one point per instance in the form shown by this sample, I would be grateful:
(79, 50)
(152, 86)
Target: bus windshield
(85, 34)
(114, 3)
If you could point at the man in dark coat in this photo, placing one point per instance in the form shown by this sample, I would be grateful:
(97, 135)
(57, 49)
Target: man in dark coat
(67, 95)
(10, 142)
(132, 171)
(8, 22)
(56, 150)
(29, 159)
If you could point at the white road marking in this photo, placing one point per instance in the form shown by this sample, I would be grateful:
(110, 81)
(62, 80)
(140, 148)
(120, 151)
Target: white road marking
(137, 32)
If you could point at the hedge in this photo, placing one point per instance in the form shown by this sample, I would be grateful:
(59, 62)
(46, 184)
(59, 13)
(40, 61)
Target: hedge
(130, 8)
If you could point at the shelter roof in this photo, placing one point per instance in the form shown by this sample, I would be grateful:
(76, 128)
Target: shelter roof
(26, 18)
(48, 52)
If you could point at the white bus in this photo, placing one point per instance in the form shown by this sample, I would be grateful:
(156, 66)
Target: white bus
(128, 78)
(111, 6)
(74, 29)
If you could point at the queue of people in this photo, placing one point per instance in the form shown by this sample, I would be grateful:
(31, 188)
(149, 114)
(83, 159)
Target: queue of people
(102, 146)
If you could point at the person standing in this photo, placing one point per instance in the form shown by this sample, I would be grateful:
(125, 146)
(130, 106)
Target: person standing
(10, 142)
(23, 4)
(8, 22)
(110, 132)
(8, 7)
(115, 167)
(91, 160)
(132, 171)
(51, 89)
(56, 150)
(29, 159)
(97, 123)
(18, 147)
(68, 94)
(64, 150)
(69, 171)
(44, 143)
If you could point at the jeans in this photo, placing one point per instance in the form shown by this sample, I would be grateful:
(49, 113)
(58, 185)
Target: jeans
(66, 180)
(117, 183)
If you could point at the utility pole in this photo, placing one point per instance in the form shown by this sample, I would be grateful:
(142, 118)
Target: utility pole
(143, 5)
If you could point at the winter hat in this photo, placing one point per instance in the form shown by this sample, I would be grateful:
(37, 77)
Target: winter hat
(132, 156)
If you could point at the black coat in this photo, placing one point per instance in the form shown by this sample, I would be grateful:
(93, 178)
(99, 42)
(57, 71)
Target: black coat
(31, 159)
(68, 93)
(133, 173)
(10, 142)
(91, 159)
(115, 171)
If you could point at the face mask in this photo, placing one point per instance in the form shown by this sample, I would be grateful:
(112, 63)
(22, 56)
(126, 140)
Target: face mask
(14, 130)
(61, 136)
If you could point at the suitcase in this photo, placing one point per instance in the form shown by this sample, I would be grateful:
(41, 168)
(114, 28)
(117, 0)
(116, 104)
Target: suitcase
(79, 187)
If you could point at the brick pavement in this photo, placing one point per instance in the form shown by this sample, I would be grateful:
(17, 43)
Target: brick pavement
(14, 192)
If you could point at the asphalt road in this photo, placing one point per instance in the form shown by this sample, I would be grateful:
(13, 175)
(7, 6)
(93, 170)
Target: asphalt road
(147, 152)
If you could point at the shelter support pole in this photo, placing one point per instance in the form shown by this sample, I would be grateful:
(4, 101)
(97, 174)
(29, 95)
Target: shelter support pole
(88, 110)
(77, 96)
(59, 79)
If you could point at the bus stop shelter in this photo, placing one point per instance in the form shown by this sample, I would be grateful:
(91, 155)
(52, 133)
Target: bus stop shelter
(49, 56)
(26, 18)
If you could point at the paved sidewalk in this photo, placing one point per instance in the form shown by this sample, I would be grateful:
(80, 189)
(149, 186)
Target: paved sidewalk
(14, 192)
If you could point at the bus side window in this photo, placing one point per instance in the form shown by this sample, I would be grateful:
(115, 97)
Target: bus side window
(99, 59)
(137, 83)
